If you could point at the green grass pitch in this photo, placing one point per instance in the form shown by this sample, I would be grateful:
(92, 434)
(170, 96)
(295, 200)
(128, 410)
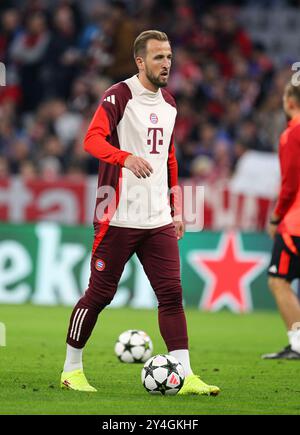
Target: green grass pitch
(225, 350)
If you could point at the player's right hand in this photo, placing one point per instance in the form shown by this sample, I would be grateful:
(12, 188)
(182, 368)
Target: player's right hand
(138, 166)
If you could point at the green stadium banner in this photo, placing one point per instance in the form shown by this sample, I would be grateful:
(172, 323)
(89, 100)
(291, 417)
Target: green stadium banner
(48, 264)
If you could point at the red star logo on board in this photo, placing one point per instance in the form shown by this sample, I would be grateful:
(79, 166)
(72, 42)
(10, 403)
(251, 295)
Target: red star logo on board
(228, 271)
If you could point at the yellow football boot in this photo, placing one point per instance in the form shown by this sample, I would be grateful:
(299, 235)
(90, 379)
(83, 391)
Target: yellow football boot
(194, 385)
(75, 380)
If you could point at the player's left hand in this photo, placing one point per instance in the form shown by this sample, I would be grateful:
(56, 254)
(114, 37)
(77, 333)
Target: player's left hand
(272, 229)
(179, 228)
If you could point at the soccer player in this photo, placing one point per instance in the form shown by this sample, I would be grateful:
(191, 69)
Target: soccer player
(132, 136)
(284, 228)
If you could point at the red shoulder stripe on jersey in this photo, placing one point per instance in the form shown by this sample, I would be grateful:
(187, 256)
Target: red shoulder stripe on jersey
(96, 144)
(114, 101)
(168, 97)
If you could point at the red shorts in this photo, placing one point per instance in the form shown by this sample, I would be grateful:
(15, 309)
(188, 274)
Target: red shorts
(157, 250)
(285, 261)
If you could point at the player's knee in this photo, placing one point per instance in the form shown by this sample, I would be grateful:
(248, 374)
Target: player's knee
(98, 299)
(276, 284)
(171, 296)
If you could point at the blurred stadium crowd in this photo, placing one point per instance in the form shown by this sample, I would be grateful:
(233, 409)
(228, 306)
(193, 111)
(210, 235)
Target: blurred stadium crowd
(61, 55)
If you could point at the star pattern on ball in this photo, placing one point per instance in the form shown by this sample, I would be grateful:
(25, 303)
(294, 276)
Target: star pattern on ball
(127, 346)
(149, 369)
(171, 367)
(161, 387)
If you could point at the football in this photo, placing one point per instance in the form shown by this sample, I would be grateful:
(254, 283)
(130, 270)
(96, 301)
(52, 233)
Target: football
(133, 346)
(162, 374)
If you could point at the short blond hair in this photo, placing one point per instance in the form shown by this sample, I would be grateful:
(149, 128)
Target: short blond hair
(140, 44)
(292, 91)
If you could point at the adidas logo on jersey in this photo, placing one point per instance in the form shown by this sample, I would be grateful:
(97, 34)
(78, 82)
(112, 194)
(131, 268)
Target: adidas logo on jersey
(273, 269)
(110, 99)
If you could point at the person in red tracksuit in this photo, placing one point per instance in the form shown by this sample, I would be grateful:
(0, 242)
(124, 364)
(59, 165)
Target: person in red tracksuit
(284, 228)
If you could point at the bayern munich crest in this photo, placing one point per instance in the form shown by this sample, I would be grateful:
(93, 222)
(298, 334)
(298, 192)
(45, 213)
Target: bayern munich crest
(153, 118)
(99, 264)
